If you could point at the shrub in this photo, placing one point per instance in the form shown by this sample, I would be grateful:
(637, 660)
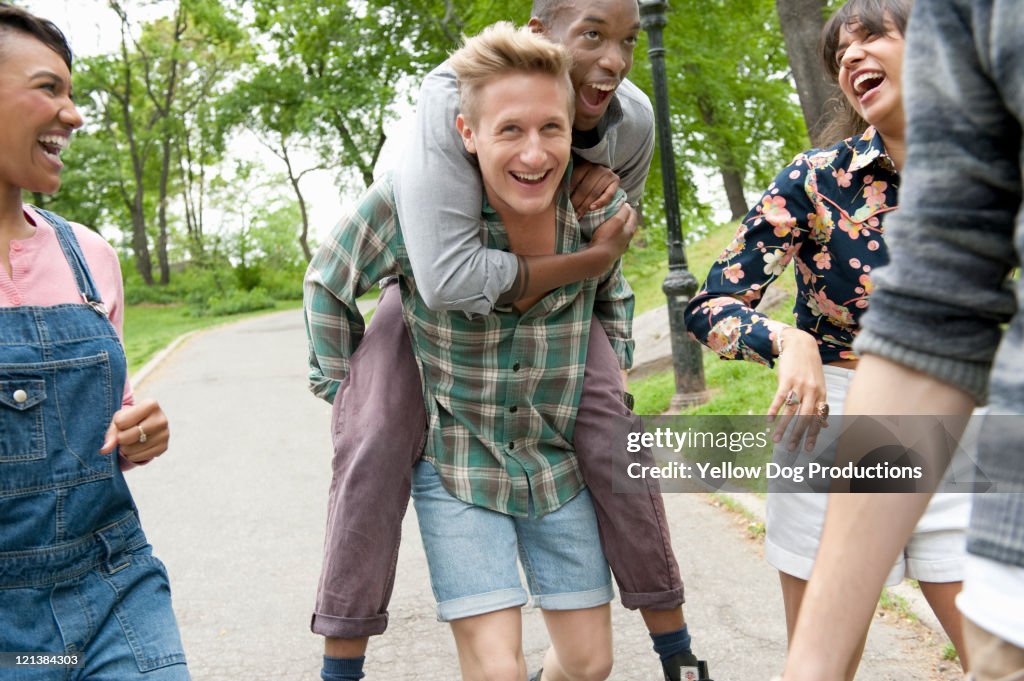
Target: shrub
(284, 283)
(233, 302)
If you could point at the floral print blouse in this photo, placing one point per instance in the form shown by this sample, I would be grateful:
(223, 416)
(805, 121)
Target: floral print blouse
(824, 211)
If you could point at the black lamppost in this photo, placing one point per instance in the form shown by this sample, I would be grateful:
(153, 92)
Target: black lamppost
(680, 285)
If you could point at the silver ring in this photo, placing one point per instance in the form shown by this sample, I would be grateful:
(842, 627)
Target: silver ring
(791, 398)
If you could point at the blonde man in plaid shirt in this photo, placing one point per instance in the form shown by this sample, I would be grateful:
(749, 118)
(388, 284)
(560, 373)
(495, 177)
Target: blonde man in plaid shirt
(502, 389)
(438, 194)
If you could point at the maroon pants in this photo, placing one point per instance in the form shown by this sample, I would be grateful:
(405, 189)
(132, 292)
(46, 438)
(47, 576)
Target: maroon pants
(379, 431)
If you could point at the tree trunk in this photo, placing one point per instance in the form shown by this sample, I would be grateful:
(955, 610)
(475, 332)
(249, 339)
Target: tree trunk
(294, 180)
(161, 244)
(41, 200)
(140, 242)
(732, 178)
(165, 109)
(193, 203)
(161, 240)
(733, 182)
(136, 205)
(801, 22)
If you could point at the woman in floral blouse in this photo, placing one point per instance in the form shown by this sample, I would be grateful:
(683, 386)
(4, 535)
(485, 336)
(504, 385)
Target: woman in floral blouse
(824, 213)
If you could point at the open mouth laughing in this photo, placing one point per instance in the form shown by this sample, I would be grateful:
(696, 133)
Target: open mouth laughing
(53, 145)
(596, 95)
(867, 81)
(530, 178)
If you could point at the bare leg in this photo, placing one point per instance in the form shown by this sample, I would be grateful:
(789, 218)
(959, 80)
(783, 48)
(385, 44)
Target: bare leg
(793, 589)
(581, 644)
(663, 621)
(345, 647)
(941, 595)
(491, 646)
(792, 595)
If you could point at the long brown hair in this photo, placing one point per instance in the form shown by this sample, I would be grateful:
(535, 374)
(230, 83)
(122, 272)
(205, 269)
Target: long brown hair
(871, 16)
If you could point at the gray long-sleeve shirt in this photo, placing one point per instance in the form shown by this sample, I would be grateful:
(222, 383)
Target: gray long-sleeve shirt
(439, 193)
(940, 304)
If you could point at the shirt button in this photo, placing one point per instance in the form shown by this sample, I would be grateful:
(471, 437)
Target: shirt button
(16, 299)
(20, 396)
(515, 367)
(511, 445)
(513, 409)
(15, 246)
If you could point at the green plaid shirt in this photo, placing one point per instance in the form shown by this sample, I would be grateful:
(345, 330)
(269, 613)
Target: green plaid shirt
(502, 389)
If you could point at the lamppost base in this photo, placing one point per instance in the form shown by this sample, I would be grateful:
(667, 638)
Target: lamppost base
(681, 401)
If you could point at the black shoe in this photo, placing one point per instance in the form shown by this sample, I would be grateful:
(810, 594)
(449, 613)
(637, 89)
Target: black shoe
(685, 667)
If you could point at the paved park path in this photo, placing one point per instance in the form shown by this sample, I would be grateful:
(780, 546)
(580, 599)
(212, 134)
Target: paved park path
(237, 507)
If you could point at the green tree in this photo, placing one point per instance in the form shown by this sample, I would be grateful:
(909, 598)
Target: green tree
(273, 104)
(151, 101)
(352, 63)
(730, 99)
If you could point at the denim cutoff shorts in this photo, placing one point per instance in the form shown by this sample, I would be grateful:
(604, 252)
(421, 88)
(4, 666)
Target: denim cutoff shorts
(471, 552)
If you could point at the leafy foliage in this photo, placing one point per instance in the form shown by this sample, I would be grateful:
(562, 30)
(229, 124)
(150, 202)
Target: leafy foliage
(152, 130)
(349, 62)
(175, 104)
(732, 104)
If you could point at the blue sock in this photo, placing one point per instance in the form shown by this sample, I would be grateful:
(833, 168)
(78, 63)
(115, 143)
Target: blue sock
(671, 643)
(342, 668)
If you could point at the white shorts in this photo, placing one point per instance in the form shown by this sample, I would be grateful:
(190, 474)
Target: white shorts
(936, 552)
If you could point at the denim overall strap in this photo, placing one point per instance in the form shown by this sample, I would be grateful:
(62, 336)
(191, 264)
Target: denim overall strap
(62, 377)
(76, 259)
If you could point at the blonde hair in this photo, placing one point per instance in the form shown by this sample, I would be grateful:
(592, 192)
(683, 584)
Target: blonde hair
(501, 49)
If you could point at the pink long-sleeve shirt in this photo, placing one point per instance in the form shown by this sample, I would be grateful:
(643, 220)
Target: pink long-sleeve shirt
(41, 275)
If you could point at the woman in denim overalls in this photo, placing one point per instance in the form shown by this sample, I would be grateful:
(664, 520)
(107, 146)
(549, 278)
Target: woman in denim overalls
(81, 595)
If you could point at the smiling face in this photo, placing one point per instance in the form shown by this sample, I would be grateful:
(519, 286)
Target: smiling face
(37, 115)
(601, 35)
(522, 141)
(869, 66)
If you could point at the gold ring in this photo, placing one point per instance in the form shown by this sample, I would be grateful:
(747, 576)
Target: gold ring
(822, 412)
(791, 398)
(142, 434)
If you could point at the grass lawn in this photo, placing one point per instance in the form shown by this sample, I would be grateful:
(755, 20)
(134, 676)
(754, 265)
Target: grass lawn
(646, 268)
(739, 387)
(149, 328)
